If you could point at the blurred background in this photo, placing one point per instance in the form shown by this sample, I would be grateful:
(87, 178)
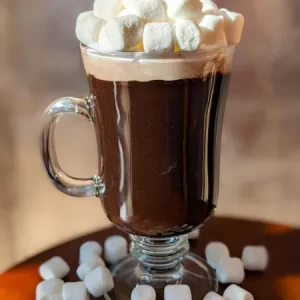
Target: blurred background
(40, 61)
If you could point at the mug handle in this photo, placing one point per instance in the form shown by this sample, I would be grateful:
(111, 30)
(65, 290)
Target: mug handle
(77, 187)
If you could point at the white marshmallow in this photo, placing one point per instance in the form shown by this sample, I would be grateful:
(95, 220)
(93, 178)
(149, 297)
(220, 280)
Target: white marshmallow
(184, 9)
(255, 258)
(55, 267)
(88, 265)
(209, 7)
(215, 252)
(115, 249)
(234, 292)
(124, 32)
(194, 234)
(234, 24)
(213, 296)
(91, 247)
(75, 291)
(230, 270)
(124, 12)
(107, 10)
(91, 259)
(188, 36)
(143, 292)
(158, 37)
(99, 282)
(212, 30)
(103, 45)
(52, 297)
(177, 292)
(49, 287)
(88, 27)
(148, 10)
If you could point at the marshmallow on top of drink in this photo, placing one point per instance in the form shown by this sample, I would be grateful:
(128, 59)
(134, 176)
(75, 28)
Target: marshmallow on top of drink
(158, 26)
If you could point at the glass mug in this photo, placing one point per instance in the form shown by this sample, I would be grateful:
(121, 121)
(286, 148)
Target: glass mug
(158, 122)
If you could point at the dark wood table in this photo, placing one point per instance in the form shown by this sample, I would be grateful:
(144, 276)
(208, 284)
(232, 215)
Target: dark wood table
(280, 281)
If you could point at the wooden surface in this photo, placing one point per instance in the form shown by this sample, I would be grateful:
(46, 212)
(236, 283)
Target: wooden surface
(281, 281)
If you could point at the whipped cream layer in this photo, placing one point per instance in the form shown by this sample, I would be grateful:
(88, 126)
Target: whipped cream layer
(158, 26)
(157, 66)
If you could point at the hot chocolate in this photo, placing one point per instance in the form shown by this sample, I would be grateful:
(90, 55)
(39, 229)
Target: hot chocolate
(159, 144)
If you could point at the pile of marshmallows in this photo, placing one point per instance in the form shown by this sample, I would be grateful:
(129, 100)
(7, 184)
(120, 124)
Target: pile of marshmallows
(97, 280)
(158, 26)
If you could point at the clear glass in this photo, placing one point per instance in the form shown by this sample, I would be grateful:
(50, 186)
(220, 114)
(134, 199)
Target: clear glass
(158, 122)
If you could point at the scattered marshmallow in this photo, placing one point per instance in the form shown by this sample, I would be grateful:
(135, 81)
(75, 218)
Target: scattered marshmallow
(188, 36)
(124, 32)
(55, 267)
(255, 258)
(49, 287)
(115, 249)
(213, 30)
(143, 292)
(215, 252)
(88, 27)
(148, 10)
(234, 24)
(184, 9)
(52, 297)
(99, 281)
(75, 291)
(91, 247)
(88, 265)
(158, 37)
(209, 7)
(230, 270)
(213, 296)
(234, 292)
(178, 292)
(90, 258)
(194, 234)
(107, 10)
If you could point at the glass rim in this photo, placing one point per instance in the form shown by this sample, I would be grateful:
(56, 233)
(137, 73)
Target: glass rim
(157, 55)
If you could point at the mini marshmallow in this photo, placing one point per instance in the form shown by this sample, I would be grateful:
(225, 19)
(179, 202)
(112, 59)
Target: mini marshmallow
(124, 32)
(107, 10)
(234, 24)
(88, 265)
(143, 292)
(91, 247)
(49, 287)
(115, 249)
(209, 7)
(124, 12)
(188, 36)
(103, 43)
(91, 259)
(55, 267)
(88, 27)
(148, 10)
(234, 292)
(255, 258)
(213, 296)
(230, 270)
(194, 234)
(52, 297)
(184, 9)
(215, 252)
(178, 292)
(75, 291)
(158, 37)
(213, 31)
(99, 281)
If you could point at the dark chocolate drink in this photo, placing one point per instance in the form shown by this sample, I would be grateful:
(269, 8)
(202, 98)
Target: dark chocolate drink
(160, 147)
